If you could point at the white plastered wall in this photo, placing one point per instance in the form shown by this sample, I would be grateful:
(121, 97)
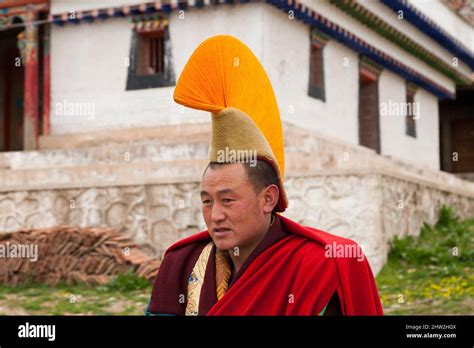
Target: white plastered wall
(422, 149)
(89, 65)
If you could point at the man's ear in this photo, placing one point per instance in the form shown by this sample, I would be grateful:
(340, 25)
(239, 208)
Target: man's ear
(270, 195)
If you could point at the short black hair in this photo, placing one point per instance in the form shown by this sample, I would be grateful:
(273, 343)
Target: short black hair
(260, 175)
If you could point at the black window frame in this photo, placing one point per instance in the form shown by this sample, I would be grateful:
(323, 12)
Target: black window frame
(137, 80)
(410, 121)
(317, 43)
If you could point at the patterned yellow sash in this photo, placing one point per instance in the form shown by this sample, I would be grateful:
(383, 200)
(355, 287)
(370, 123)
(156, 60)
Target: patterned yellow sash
(223, 273)
(196, 278)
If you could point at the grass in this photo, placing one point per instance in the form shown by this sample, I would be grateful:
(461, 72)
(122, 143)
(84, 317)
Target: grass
(432, 274)
(126, 294)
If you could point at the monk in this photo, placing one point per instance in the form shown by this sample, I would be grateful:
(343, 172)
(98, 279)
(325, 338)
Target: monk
(251, 260)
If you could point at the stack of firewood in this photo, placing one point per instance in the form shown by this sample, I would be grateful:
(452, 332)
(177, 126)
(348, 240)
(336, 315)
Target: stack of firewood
(72, 255)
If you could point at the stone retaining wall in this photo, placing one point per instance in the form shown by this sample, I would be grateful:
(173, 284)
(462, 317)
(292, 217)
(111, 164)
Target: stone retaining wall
(146, 183)
(370, 208)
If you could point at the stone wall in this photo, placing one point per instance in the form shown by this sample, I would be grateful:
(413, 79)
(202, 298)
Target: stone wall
(368, 208)
(146, 183)
(153, 215)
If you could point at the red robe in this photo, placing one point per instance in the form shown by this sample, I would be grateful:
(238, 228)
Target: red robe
(292, 276)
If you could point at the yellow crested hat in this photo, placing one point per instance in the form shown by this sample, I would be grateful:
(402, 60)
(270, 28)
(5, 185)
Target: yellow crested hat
(224, 77)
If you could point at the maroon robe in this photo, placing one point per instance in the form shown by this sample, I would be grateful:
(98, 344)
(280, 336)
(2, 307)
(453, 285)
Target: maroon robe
(308, 277)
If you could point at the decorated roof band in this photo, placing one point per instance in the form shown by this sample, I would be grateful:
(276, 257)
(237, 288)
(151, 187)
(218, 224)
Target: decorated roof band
(310, 17)
(386, 30)
(431, 29)
(146, 25)
(341, 35)
(318, 38)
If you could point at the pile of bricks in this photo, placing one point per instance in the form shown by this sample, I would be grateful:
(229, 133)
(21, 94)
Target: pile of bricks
(73, 255)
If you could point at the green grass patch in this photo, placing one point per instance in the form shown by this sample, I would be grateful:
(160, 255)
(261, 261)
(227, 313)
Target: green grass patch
(126, 294)
(432, 273)
(127, 282)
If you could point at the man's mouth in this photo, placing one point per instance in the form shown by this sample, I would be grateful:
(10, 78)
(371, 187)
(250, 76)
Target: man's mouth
(221, 229)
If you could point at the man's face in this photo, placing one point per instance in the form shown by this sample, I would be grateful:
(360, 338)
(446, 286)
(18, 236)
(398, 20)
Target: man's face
(233, 211)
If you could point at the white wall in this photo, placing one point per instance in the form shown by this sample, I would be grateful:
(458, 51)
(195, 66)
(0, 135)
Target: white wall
(424, 149)
(88, 65)
(339, 17)
(62, 6)
(448, 20)
(418, 36)
(288, 68)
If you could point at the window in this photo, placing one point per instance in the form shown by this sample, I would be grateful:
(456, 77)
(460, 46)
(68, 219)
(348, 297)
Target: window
(369, 128)
(150, 53)
(316, 66)
(150, 56)
(411, 112)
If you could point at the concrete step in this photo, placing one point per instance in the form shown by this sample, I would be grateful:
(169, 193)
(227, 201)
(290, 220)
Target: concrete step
(155, 145)
(133, 152)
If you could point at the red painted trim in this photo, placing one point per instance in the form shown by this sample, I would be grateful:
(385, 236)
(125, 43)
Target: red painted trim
(7, 109)
(31, 97)
(367, 76)
(46, 94)
(31, 107)
(17, 3)
(22, 11)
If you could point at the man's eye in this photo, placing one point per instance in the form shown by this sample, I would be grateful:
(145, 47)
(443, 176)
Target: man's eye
(206, 201)
(227, 200)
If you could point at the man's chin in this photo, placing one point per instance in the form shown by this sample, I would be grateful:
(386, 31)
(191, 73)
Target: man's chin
(224, 245)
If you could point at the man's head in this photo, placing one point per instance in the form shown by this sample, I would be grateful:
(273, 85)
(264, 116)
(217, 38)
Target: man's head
(237, 203)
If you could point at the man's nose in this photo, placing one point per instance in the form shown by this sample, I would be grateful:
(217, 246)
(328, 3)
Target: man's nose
(217, 213)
